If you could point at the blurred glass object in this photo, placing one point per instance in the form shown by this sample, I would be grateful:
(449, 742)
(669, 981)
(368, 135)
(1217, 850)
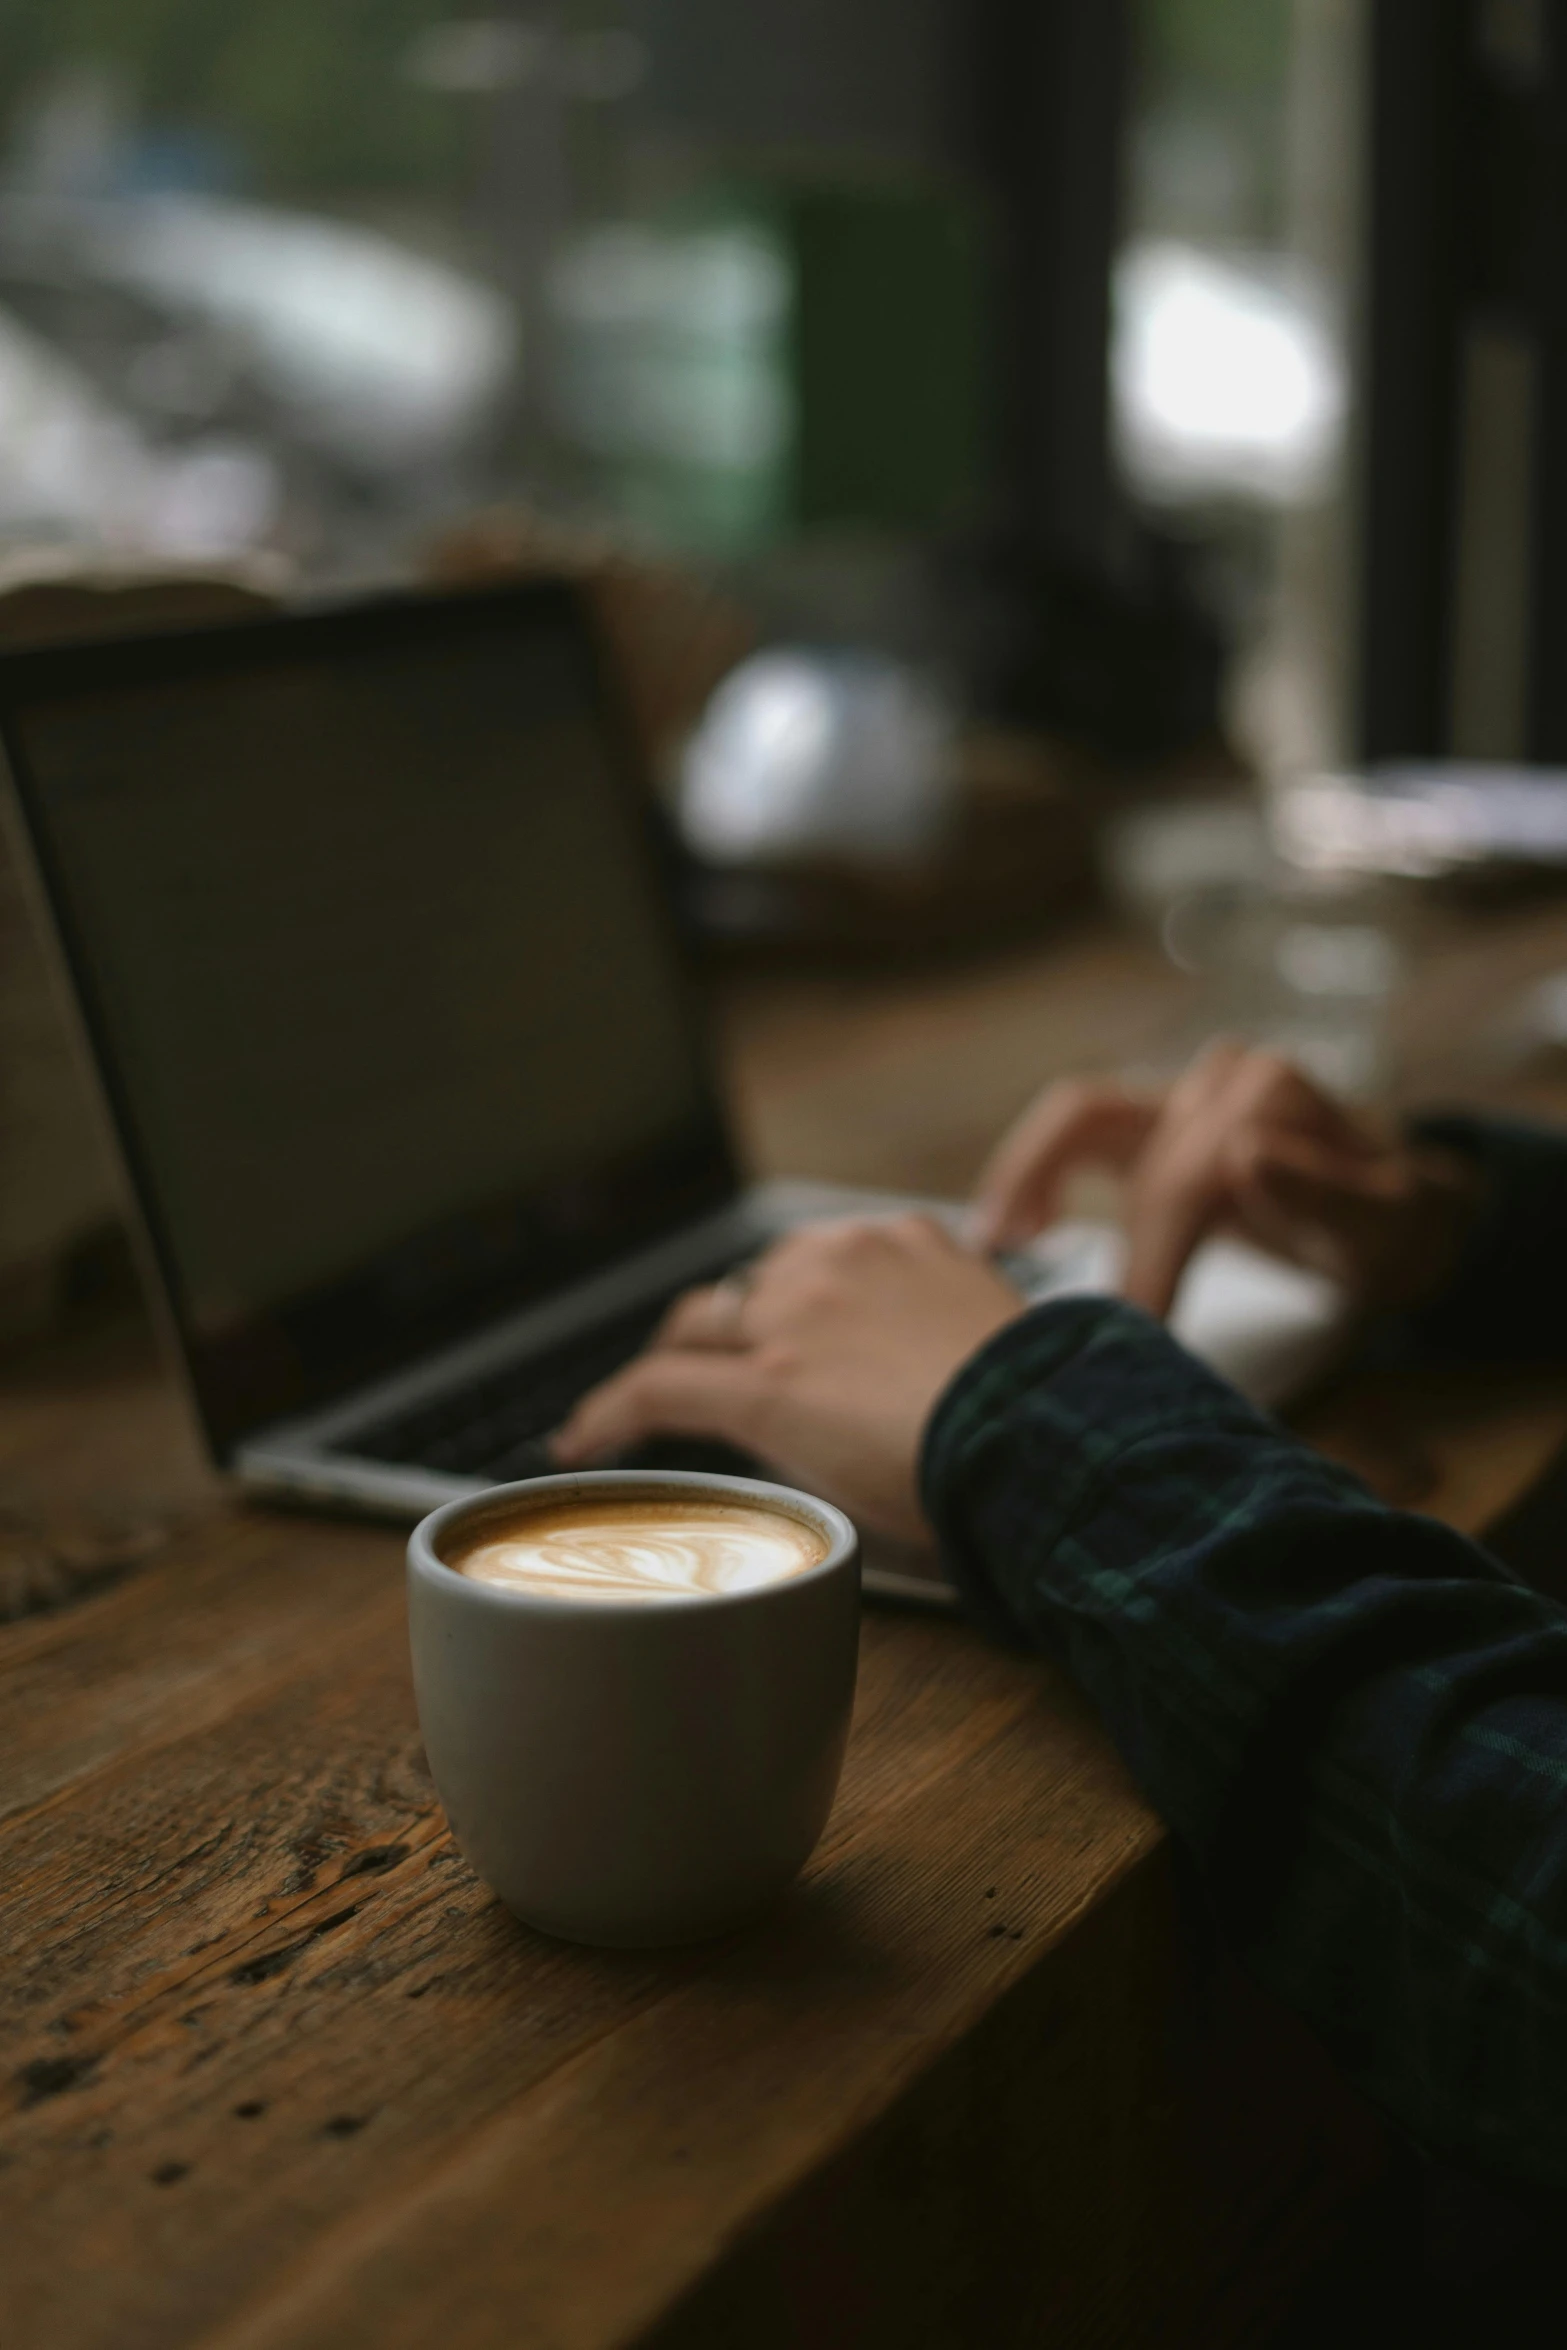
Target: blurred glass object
(803, 755)
(1302, 962)
(1155, 855)
(1309, 973)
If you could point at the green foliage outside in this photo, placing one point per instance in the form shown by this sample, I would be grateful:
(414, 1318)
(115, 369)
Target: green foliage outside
(1207, 136)
(310, 94)
(1216, 51)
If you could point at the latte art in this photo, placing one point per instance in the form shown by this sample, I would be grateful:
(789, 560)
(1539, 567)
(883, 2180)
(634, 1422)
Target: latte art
(641, 1549)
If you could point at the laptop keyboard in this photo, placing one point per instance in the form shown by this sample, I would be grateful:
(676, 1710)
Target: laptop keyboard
(496, 1427)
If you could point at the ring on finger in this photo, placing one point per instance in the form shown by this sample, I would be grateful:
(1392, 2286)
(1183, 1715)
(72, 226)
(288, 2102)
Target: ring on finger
(729, 1296)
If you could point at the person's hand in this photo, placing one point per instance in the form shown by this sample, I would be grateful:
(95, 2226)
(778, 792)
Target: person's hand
(1242, 1143)
(826, 1361)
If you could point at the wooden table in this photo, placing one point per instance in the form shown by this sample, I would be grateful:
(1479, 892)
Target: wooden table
(277, 2070)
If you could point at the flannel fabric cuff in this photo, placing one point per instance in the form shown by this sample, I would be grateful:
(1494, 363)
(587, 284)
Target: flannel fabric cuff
(1023, 1441)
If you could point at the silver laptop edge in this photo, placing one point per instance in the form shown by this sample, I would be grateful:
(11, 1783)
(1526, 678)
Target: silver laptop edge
(308, 1458)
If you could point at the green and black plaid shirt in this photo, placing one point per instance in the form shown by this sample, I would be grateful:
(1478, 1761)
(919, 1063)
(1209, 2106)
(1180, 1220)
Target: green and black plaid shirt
(1354, 1719)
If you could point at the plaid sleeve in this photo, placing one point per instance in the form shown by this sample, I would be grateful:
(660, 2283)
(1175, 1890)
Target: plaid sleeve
(1508, 1294)
(1355, 1720)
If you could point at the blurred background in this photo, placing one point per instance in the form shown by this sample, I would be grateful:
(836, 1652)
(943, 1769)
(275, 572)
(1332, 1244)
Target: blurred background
(1034, 459)
(1010, 340)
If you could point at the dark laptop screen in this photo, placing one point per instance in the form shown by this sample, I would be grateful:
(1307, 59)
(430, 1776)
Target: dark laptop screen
(373, 938)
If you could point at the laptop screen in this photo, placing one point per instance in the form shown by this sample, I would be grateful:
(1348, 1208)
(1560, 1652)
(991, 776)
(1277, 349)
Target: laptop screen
(374, 944)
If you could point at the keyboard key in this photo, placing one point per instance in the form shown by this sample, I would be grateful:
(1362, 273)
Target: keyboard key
(494, 1428)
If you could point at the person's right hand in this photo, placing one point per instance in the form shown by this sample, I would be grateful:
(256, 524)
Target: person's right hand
(1242, 1143)
(826, 1359)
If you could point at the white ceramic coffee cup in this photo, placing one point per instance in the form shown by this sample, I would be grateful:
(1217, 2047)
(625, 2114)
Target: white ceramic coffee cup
(642, 1771)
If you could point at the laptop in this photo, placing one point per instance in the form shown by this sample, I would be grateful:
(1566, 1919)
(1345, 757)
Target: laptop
(372, 931)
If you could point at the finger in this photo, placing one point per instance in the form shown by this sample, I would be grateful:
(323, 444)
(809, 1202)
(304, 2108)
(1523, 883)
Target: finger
(1324, 1173)
(1070, 1126)
(1311, 1201)
(739, 1312)
(1266, 1089)
(805, 1244)
(830, 1250)
(1328, 1209)
(1206, 1077)
(1226, 1114)
(1177, 1192)
(663, 1394)
(1287, 1197)
(1164, 1227)
(710, 1318)
(1232, 1085)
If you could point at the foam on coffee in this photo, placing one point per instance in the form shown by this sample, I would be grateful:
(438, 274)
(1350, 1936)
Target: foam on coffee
(641, 1548)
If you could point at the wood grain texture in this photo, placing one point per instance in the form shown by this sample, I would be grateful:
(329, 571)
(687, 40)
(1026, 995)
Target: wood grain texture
(277, 2073)
(274, 2061)
(234, 1891)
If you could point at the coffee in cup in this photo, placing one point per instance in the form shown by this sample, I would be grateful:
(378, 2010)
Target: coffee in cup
(641, 1547)
(635, 1690)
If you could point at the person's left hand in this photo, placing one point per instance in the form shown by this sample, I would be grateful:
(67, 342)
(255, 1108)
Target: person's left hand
(1245, 1143)
(826, 1361)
